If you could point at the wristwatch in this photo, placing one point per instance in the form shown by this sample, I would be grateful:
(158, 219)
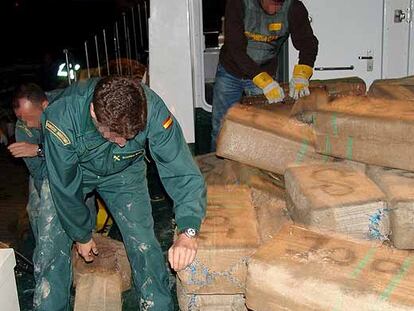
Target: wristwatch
(40, 152)
(190, 232)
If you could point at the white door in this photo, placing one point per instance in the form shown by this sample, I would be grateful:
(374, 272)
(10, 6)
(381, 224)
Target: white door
(170, 66)
(397, 24)
(350, 38)
(411, 44)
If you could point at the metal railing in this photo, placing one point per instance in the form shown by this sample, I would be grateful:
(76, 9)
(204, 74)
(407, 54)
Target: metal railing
(120, 48)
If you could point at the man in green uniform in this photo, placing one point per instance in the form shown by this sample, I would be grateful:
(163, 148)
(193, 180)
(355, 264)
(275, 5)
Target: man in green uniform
(52, 268)
(95, 136)
(255, 31)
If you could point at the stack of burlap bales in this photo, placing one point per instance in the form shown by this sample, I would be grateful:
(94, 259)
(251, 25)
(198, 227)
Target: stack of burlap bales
(246, 207)
(309, 205)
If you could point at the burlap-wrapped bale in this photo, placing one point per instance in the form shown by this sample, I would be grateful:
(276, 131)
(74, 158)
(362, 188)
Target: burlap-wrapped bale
(337, 198)
(99, 284)
(302, 270)
(369, 130)
(97, 292)
(402, 88)
(228, 236)
(334, 88)
(266, 137)
(268, 196)
(398, 186)
(196, 302)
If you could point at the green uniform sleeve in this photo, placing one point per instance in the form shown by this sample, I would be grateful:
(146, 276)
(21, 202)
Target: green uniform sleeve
(65, 179)
(178, 172)
(35, 165)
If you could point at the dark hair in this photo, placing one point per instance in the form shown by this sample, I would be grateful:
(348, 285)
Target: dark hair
(31, 92)
(121, 105)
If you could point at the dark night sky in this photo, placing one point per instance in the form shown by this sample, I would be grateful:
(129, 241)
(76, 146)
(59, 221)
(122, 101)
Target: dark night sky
(31, 28)
(28, 28)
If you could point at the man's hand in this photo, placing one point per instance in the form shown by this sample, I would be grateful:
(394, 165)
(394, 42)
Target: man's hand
(23, 150)
(271, 89)
(87, 250)
(183, 252)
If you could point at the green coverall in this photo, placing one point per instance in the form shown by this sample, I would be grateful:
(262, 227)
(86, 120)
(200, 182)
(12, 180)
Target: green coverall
(80, 160)
(51, 258)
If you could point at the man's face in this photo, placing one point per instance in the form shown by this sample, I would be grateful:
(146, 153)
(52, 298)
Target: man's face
(271, 6)
(29, 113)
(111, 136)
(106, 132)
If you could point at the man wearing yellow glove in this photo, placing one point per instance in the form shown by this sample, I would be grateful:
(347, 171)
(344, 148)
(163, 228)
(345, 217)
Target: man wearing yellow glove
(255, 31)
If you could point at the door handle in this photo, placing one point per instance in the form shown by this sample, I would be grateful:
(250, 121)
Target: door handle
(334, 68)
(365, 57)
(370, 60)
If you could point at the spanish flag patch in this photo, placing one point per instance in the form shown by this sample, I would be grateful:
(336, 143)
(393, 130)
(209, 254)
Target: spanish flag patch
(167, 122)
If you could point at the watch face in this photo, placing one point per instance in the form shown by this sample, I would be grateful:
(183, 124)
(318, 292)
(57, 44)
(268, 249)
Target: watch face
(40, 152)
(191, 231)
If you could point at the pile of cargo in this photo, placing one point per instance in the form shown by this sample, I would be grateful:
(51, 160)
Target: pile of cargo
(310, 205)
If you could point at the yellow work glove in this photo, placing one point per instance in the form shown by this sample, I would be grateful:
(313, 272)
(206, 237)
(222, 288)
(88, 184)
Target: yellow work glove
(299, 84)
(271, 89)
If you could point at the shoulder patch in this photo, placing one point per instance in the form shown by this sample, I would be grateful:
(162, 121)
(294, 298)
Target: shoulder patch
(57, 132)
(25, 129)
(168, 122)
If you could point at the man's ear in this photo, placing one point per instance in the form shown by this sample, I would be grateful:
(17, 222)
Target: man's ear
(92, 111)
(44, 104)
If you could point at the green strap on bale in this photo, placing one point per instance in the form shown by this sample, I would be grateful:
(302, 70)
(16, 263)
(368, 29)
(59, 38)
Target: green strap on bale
(328, 149)
(302, 151)
(349, 147)
(334, 125)
(397, 278)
